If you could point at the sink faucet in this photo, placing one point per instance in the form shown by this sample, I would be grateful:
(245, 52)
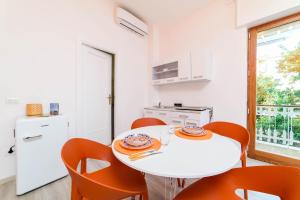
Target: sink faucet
(159, 104)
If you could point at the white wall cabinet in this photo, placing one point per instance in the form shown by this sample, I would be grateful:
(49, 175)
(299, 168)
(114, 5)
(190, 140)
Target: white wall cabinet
(165, 73)
(193, 65)
(201, 62)
(184, 67)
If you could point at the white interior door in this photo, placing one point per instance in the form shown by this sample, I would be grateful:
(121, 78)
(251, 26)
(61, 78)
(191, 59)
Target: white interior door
(95, 92)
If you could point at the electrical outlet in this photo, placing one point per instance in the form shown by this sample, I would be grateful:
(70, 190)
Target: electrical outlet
(12, 100)
(4, 151)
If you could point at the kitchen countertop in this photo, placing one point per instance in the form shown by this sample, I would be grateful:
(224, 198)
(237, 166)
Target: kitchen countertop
(180, 109)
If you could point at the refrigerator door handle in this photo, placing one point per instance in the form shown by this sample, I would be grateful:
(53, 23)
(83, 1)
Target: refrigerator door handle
(31, 138)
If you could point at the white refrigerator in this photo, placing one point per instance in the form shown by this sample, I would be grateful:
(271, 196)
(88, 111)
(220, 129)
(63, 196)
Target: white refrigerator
(38, 151)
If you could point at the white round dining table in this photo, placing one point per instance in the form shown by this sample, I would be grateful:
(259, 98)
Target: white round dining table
(184, 158)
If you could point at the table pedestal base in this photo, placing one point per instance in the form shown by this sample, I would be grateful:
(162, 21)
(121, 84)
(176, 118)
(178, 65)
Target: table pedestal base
(172, 189)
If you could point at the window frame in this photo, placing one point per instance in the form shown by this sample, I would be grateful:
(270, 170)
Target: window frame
(251, 93)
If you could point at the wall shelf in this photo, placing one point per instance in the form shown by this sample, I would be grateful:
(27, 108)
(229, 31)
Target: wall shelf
(165, 71)
(191, 66)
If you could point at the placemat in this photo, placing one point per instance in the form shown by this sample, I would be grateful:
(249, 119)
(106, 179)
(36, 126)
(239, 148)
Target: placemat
(208, 135)
(156, 146)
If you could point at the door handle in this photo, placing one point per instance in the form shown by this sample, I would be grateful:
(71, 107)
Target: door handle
(109, 99)
(31, 138)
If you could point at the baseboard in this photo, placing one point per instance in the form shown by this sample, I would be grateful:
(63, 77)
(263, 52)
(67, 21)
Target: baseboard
(8, 179)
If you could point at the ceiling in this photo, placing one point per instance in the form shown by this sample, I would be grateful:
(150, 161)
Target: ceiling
(161, 11)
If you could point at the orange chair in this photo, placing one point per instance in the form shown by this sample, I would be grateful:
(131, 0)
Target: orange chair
(276, 180)
(116, 181)
(233, 131)
(142, 122)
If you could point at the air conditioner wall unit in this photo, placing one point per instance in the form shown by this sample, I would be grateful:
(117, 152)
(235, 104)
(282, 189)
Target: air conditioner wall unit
(131, 22)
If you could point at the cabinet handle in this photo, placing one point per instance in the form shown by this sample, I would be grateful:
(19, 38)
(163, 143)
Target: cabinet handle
(197, 76)
(193, 124)
(162, 113)
(176, 121)
(44, 125)
(31, 138)
(183, 116)
(184, 78)
(170, 80)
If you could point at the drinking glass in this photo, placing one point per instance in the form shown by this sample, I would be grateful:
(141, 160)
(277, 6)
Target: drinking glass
(165, 139)
(171, 129)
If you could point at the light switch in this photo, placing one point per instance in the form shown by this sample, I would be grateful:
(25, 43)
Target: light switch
(12, 100)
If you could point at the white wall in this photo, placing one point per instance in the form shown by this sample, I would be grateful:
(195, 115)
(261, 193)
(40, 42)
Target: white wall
(38, 60)
(253, 12)
(212, 28)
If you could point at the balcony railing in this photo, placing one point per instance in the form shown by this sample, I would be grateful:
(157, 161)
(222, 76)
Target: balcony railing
(278, 125)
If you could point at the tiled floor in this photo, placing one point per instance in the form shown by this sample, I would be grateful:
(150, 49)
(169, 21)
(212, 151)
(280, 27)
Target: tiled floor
(60, 190)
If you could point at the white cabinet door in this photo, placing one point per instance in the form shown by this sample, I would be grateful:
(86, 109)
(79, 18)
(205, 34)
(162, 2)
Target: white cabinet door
(184, 67)
(191, 122)
(164, 116)
(204, 117)
(179, 118)
(150, 113)
(176, 121)
(201, 61)
(181, 115)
